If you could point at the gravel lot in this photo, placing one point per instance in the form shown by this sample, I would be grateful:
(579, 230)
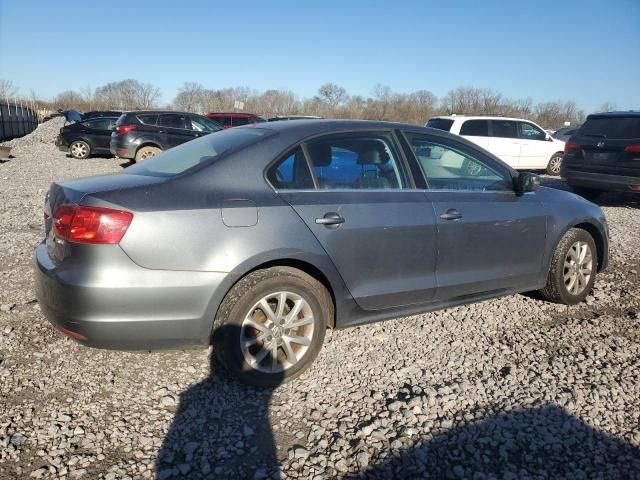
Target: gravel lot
(511, 388)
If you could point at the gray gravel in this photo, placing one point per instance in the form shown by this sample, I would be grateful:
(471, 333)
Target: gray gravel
(510, 388)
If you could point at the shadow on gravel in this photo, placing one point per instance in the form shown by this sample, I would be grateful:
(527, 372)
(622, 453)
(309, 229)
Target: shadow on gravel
(221, 429)
(545, 442)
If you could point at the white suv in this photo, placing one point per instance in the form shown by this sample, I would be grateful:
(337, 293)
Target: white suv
(520, 143)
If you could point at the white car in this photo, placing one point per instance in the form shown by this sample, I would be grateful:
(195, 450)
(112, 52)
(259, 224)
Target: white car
(520, 143)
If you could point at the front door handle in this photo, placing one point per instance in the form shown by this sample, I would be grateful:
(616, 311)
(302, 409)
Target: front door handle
(330, 220)
(451, 214)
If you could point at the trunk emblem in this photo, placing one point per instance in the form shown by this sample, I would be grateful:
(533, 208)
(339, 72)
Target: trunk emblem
(600, 144)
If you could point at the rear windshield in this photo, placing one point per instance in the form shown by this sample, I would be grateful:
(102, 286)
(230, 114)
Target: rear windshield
(204, 150)
(440, 123)
(612, 127)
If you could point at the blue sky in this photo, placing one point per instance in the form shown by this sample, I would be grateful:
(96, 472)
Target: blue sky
(582, 50)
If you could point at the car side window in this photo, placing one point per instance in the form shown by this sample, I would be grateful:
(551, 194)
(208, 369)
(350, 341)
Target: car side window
(504, 129)
(291, 172)
(475, 128)
(531, 132)
(200, 124)
(451, 168)
(238, 121)
(172, 120)
(361, 161)
(148, 119)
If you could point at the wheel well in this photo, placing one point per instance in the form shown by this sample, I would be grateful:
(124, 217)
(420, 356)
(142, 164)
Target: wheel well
(597, 238)
(307, 268)
(148, 144)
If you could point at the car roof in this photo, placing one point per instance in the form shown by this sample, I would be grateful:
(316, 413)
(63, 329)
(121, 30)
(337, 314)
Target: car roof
(481, 117)
(618, 114)
(231, 114)
(138, 112)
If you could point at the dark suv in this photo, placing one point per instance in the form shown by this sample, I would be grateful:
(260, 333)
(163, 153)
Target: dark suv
(235, 119)
(604, 154)
(144, 134)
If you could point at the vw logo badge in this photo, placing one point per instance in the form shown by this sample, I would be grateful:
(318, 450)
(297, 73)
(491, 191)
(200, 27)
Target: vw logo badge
(600, 144)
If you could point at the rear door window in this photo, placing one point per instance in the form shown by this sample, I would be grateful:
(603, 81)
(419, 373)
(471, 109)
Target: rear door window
(356, 161)
(239, 121)
(504, 129)
(172, 120)
(201, 124)
(148, 118)
(475, 128)
(618, 128)
(440, 124)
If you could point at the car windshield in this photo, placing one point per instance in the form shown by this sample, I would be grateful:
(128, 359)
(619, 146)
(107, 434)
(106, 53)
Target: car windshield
(204, 150)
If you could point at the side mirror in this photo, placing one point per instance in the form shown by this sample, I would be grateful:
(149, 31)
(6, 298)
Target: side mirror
(526, 182)
(548, 138)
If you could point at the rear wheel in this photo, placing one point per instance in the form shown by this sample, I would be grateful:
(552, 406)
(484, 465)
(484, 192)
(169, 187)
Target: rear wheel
(553, 168)
(271, 326)
(79, 149)
(144, 153)
(573, 269)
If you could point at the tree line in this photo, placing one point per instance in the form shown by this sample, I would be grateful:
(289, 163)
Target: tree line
(330, 101)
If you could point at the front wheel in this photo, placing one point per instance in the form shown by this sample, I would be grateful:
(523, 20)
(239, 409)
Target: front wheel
(271, 326)
(555, 163)
(573, 268)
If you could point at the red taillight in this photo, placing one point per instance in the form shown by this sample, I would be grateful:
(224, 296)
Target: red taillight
(571, 147)
(635, 188)
(69, 333)
(632, 148)
(82, 224)
(122, 129)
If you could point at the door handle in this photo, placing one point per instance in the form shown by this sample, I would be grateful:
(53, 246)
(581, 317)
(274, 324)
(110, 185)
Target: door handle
(451, 214)
(330, 220)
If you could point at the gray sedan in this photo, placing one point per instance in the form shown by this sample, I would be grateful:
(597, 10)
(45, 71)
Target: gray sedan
(258, 238)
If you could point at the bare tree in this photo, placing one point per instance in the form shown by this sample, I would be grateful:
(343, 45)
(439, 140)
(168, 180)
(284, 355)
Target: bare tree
(128, 94)
(607, 107)
(7, 89)
(332, 94)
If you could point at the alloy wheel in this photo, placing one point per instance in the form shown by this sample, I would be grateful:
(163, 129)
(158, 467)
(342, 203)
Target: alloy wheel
(277, 332)
(78, 150)
(578, 267)
(554, 165)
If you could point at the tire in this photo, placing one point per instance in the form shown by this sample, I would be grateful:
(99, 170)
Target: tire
(144, 153)
(79, 149)
(554, 165)
(566, 256)
(588, 193)
(243, 309)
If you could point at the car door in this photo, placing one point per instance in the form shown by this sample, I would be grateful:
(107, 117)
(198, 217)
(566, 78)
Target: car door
(534, 146)
(476, 131)
(98, 132)
(489, 238)
(379, 232)
(504, 141)
(174, 129)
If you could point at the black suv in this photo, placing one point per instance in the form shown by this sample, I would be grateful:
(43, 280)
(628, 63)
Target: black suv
(144, 134)
(86, 137)
(604, 154)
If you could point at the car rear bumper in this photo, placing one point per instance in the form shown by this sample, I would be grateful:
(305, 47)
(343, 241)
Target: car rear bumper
(124, 306)
(120, 147)
(600, 181)
(61, 144)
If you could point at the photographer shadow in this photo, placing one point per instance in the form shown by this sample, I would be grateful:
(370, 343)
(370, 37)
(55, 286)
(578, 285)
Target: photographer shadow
(221, 429)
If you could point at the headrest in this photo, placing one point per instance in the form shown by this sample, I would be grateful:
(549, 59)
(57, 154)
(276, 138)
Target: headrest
(370, 157)
(320, 154)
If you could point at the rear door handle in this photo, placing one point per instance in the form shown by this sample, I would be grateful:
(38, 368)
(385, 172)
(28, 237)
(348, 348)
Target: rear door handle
(330, 220)
(451, 214)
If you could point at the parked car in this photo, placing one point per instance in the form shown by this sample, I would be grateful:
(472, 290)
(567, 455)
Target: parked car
(235, 119)
(101, 113)
(564, 134)
(519, 143)
(292, 117)
(604, 155)
(86, 137)
(144, 134)
(258, 238)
